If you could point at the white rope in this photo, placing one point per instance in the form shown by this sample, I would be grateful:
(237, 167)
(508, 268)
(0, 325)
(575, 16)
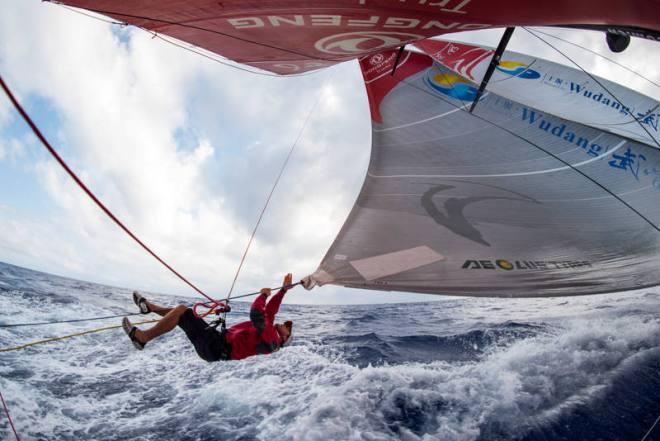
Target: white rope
(277, 180)
(651, 429)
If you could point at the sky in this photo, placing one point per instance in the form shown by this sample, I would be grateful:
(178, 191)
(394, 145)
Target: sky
(185, 150)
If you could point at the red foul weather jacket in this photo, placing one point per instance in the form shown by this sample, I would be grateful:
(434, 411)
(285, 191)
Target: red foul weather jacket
(259, 335)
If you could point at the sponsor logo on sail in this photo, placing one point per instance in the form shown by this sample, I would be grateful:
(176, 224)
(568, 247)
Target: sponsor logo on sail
(450, 214)
(509, 265)
(504, 264)
(649, 118)
(518, 69)
(355, 43)
(461, 58)
(599, 97)
(377, 59)
(451, 85)
(561, 131)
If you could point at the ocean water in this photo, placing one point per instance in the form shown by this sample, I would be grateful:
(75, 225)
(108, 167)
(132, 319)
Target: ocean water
(579, 368)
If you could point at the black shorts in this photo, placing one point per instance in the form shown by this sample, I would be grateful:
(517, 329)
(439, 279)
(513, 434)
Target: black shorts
(210, 344)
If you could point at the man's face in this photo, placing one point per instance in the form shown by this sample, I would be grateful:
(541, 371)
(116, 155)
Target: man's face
(283, 331)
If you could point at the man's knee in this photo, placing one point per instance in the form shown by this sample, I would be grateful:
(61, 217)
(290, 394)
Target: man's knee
(180, 309)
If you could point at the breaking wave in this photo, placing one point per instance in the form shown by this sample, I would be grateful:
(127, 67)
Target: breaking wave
(455, 369)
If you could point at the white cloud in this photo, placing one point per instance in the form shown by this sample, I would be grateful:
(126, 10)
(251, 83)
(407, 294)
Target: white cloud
(184, 151)
(120, 106)
(5, 110)
(11, 149)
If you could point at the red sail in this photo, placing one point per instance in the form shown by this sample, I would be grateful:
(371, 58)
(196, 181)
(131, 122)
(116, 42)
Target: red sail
(293, 36)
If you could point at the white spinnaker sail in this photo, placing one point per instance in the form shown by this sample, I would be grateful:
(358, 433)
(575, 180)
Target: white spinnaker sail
(559, 90)
(508, 201)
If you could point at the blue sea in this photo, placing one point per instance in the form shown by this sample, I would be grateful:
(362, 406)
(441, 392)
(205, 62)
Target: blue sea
(576, 368)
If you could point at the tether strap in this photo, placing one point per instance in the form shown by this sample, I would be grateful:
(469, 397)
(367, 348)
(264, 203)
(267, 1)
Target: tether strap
(212, 308)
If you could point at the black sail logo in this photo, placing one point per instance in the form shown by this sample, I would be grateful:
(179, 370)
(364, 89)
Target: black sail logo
(509, 265)
(452, 216)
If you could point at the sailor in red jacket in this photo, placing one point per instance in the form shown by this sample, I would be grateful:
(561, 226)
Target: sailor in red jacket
(259, 335)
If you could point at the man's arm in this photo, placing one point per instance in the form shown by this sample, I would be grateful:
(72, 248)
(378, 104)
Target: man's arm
(274, 304)
(258, 310)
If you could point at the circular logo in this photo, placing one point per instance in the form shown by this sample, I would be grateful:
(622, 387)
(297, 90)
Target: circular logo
(451, 85)
(376, 59)
(518, 69)
(504, 264)
(354, 43)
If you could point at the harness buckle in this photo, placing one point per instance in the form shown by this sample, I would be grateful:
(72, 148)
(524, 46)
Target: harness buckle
(217, 322)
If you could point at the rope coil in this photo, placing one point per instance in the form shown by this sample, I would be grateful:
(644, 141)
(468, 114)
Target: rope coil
(212, 308)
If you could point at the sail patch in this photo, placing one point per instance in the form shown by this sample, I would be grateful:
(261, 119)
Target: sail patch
(388, 264)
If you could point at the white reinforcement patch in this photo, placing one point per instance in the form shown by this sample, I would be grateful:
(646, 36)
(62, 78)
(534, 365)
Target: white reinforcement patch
(397, 262)
(320, 277)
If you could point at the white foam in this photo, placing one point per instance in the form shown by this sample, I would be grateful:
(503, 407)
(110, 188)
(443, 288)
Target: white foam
(99, 387)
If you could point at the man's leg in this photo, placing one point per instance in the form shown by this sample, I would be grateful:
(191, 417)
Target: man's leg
(157, 309)
(169, 321)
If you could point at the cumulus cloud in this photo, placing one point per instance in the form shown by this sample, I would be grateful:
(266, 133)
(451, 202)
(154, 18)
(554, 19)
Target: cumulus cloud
(5, 111)
(185, 152)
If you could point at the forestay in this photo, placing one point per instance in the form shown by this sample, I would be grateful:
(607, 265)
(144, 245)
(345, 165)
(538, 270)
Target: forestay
(508, 201)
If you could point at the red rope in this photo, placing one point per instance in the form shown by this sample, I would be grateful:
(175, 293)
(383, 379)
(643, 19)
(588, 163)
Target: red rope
(57, 157)
(11, 423)
(213, 308)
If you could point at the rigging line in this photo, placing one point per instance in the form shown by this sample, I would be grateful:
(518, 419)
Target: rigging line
(89, 193)
(600, 55)
(223, 61)
(511, 77)
(596, 80)
(651, 110)
(651, 429)
(212, 31)
(79, 11)
(89, 319)
(107, 328)
(494, 63)
(127, 314)
(655, 227)
(277, 180)
(11, 423)
(64, 337)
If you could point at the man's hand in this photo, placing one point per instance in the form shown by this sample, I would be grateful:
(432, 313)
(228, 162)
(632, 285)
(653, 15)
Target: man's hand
(287, 280)
(265, 291)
